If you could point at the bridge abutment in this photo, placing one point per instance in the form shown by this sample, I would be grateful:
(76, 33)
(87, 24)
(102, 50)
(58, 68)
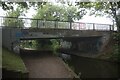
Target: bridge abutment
(87, 45)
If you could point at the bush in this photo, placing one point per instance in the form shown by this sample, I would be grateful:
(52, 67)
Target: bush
(55, 46)
(116, 52)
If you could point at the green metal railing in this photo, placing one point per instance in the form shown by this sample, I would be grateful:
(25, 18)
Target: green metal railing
(40, 23)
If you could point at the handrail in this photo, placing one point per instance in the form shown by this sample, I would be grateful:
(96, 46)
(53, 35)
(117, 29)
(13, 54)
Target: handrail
(40, 23)
(50, 20)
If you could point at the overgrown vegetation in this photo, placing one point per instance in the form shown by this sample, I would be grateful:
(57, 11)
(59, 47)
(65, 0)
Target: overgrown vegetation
(14, 22)
(116, 53)
(12, 61)
(112, 50)
(55, 46)
(43, 44)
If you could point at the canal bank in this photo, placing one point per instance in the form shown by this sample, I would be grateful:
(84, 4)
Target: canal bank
(91, 68)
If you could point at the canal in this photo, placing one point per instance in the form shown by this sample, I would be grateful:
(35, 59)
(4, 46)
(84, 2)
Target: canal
(88, 68)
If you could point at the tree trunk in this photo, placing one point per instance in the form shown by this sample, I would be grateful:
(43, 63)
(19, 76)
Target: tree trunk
(115, 15)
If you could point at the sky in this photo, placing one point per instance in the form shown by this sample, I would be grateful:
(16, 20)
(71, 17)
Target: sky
(86, 18)
(93, 19)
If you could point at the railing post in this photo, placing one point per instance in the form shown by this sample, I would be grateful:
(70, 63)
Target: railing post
(18, 20)
(15, 24)
(110, 28)
(55, 24)
(70, 25)
(44, 22)
(93, 26)
(37, 23)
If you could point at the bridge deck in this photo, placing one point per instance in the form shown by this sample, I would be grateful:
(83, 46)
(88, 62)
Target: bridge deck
(31, 34)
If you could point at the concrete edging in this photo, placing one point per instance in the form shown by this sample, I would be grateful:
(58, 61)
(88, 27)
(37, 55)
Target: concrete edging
(69, 69)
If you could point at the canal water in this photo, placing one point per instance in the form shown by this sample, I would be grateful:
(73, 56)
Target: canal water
(89, 68)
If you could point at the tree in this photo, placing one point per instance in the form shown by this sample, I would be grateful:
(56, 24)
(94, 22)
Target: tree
(55, 13)
(102, 8)
(12, 18)
(6, 5)
(60, 12)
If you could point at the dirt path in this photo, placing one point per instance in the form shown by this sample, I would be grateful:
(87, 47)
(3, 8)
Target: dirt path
(44, 65)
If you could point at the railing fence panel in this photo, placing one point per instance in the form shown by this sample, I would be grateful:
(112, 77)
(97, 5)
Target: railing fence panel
(38, 23)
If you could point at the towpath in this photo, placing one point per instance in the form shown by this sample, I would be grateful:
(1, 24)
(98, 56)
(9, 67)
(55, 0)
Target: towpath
(45, 65)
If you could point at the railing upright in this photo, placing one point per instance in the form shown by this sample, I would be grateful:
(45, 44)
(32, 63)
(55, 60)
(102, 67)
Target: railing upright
(70, 25)
(93, 26)
(44, 23)
(37, 24)
(56, 25)
(112, 27)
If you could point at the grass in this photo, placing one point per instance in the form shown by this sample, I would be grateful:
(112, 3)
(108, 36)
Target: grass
(12, 61)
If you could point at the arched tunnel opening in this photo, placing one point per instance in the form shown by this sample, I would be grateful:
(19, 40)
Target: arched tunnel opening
(39, 45)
